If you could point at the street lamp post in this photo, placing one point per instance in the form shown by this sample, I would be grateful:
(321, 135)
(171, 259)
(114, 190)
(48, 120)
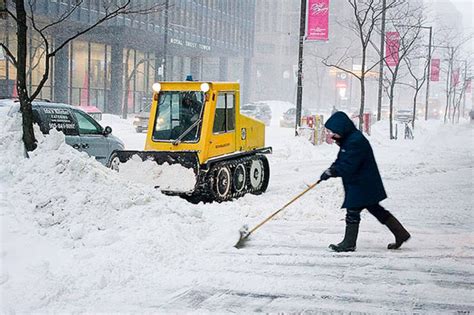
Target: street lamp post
(428, 73)
(464, 88)
(448, 76)
(165, 38)
(382, 49)
(299, 92)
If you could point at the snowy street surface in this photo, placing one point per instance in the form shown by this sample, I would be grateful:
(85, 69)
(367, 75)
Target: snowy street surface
(77, 237)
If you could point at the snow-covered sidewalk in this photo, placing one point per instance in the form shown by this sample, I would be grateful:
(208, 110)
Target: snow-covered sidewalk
(77, 237)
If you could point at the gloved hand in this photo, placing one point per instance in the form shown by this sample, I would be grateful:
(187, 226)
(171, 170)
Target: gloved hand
(326, 175)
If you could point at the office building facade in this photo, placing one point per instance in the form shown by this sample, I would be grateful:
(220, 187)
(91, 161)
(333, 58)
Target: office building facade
(119, 60)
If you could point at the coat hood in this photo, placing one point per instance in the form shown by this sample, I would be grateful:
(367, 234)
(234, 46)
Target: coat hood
(341, 124)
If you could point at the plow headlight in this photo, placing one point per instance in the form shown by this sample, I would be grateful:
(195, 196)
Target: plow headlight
(205, 87)
(156, 87)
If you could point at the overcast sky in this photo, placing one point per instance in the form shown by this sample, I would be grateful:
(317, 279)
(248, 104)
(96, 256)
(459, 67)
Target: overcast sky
(466, 7)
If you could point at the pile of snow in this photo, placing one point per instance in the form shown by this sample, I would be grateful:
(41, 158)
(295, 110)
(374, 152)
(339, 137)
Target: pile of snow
(165, 177)
(61, 189)
(71, 226)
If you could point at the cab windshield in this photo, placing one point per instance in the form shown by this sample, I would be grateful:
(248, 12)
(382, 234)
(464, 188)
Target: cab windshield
(178, 116)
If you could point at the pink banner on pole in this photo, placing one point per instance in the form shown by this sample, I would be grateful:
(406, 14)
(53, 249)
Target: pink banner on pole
(435, 64)
(392, 45)
(455, 77)
(317, 20)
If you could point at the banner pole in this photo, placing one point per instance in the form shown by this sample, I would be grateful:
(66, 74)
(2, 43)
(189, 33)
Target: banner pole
(299, 91)
(428, 75)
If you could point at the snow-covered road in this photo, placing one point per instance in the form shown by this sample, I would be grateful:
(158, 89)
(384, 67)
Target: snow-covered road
(151, 253)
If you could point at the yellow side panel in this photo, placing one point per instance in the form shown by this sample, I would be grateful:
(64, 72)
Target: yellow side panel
(254, 132)
(220, 144)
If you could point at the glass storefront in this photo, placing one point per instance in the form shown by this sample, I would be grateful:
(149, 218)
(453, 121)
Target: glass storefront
(204, 28)
(99, 74)
(79, 87)
(139, 74)
(35, 65)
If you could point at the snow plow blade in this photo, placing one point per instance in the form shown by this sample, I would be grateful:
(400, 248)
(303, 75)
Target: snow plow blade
(187, 159)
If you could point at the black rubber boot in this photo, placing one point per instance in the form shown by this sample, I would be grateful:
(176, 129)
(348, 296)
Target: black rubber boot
(401, 235)
(348, 244)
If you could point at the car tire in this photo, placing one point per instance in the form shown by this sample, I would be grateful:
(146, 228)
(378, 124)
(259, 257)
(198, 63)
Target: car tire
(139, 129)
(113, 162)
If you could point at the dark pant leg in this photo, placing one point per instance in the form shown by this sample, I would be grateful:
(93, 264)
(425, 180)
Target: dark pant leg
(353, 215)
(379, 212)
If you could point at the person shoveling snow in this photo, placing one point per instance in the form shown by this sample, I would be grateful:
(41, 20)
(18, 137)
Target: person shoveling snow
(363, 185)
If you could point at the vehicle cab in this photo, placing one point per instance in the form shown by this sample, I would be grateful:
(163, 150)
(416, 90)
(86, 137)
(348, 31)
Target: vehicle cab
(203, 117)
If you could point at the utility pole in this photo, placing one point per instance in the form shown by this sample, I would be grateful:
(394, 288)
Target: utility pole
(448, 77)
(382, 52)
(464, 90)
(165, 37)
(428, 73)
(299, 91)
(449, 83)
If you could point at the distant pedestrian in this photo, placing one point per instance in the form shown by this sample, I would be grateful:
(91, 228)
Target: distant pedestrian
(471, 115)
(363, 185)
(334, 110)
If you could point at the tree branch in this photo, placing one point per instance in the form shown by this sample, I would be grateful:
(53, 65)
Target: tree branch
(340, 68)
(9, 54)
(120, 10)
(64, 16)
(47, 62)
(10, 13)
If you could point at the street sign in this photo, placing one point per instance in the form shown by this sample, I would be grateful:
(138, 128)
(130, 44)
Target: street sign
(341, 80)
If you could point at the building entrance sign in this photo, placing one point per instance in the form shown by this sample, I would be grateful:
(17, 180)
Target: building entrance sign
(190, 44)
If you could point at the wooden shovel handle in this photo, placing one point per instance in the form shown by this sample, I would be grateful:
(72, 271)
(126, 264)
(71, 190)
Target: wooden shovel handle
(282, 208)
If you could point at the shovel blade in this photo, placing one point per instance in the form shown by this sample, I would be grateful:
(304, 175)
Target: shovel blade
(244, 235)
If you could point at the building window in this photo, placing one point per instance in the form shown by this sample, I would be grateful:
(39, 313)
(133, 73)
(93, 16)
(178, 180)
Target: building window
(79, 74)
(97, 77)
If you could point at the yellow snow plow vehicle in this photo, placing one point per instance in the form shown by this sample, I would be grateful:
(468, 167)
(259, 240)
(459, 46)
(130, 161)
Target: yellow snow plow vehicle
(199, 125)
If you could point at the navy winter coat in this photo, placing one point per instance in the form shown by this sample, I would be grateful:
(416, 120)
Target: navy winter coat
(356, 165)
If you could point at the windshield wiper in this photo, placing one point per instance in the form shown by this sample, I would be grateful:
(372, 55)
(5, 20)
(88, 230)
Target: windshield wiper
(178, 140)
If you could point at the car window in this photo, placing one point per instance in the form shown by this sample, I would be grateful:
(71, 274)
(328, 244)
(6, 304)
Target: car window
(56, 118)
(87, 125)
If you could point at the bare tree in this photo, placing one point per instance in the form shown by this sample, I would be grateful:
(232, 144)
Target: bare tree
(24, 14)
(366, 16)
(408, 35)
(128, 79)
(417, 79)
(453, 43)
(460, 94)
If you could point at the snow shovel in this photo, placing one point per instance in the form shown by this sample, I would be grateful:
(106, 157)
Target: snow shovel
(244, 233)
